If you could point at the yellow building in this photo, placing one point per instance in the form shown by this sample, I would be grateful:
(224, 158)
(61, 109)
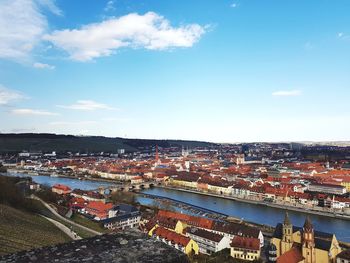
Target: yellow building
(245, 248)
(180, 227)
(304, 244)
(178, 241)
(346, 184)
(183, 183)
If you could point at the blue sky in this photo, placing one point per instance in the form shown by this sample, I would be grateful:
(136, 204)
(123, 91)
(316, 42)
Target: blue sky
(222, 71)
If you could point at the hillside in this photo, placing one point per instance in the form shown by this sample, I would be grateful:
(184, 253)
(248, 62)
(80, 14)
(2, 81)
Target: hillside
(22, 231)
(62, 143)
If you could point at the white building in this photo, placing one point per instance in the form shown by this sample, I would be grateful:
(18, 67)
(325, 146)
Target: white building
(208, 242)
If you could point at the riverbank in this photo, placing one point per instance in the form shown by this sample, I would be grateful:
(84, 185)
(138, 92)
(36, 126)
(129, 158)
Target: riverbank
(304, 209)
(260, 215)
(262, 203)
(63, 176)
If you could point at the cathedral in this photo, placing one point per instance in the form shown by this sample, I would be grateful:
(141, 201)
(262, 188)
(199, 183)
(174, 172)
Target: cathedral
(292, 244)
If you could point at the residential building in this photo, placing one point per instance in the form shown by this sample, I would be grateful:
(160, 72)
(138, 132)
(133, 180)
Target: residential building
(61, 189)
(88, 195)
(231, 230)
(245, 248)
(343, 257)
(208, 242)
(97, 210)
(122, 217)
(180, 242)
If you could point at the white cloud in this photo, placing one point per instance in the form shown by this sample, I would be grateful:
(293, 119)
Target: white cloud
(33, 112)
(22, 25)
(51, 5)
(286, 93)
(149, 31)
(43, 66)
(87, 105)
(8, 95)
(109, 6)
(234, 5)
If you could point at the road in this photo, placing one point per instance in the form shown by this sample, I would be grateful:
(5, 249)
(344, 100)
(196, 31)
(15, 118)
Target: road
(63, 228)
(93, 232)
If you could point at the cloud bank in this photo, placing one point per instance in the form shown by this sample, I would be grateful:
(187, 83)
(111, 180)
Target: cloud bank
(22, 25)
(31, 112)
(87, 105)
(7, 95)
(149, 31)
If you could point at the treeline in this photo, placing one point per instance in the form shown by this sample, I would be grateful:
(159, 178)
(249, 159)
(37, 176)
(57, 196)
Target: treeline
(13, 193)
(44, 142)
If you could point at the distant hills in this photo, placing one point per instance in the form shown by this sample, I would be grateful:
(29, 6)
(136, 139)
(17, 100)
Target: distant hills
(46, 142)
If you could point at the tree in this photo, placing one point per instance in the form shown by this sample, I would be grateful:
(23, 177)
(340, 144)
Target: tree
(123, 197)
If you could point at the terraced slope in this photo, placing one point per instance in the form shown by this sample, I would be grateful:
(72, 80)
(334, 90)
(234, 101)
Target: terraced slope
(22, 231)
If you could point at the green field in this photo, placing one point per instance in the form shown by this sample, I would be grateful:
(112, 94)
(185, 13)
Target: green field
(22, 231)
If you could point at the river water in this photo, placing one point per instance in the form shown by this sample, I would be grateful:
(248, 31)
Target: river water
(250, 212)
(71, 182)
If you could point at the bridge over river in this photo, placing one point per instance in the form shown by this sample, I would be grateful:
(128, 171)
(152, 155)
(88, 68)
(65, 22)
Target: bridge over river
(248, 212)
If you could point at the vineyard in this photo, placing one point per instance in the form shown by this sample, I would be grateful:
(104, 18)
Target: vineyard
(22, 231)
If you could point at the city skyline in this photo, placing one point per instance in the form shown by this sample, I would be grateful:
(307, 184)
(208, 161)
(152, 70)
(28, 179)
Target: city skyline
(227, 71)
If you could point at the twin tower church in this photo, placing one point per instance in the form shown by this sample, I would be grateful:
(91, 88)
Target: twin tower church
(291, 244)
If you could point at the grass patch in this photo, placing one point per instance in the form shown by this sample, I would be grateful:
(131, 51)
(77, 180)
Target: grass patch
(21, 230)
(88, 223)
(46, 212)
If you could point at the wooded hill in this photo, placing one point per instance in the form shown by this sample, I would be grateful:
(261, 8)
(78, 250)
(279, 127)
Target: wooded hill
(46, 142)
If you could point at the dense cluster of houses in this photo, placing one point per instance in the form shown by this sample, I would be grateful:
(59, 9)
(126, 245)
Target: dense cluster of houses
(195, 235)
(284, 191)
(93, 206)
(286, 181)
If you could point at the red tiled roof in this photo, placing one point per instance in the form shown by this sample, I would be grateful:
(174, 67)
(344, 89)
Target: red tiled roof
(191, 220)
(61, 187)
(99, 206)
(291, 256)
(246, 243)
(172, 236)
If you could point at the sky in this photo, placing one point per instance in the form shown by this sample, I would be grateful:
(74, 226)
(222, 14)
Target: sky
(213, 70)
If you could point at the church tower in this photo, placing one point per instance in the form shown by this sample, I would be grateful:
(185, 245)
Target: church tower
(157, 154)
(308, 242)
(287, 235)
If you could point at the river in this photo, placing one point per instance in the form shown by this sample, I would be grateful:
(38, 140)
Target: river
(71, 182)
(250, 212)
(255, 213)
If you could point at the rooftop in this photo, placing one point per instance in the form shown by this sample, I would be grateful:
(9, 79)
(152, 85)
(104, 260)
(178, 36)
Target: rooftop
(246, 243)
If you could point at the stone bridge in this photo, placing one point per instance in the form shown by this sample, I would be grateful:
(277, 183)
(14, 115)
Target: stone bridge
(127, 187)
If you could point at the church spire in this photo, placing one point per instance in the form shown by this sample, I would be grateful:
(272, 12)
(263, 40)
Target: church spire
(286, 219)
(287, 233)
(308, 225)
(157, 154)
